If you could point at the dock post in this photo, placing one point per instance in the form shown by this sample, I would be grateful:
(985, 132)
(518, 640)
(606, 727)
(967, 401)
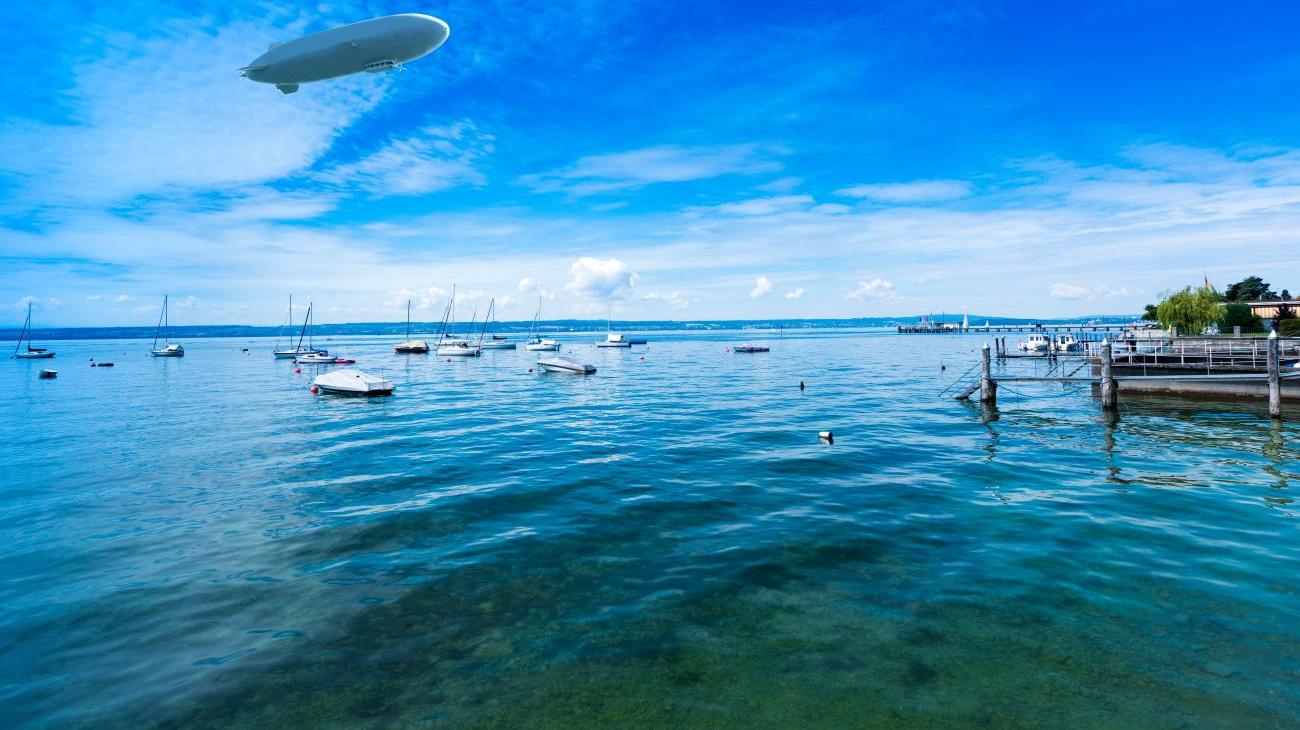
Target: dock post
(1109, 392)
(988, 387)
(1274, 377)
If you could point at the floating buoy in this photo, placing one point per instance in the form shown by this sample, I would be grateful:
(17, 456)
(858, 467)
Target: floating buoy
(643, 357)
(314, 390)
(942, 366)
(530, 370)
(826, 436)
(800, 385)
(298, 370)
(726, 349)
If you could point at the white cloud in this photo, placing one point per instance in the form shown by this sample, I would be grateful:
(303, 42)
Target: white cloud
(433, 158)
(676, 300)
(1074, 292)
(780, 185)
(529, 285)
(430, 297)
(1069, 291)
(621, 171)
(122, 298)
(600, 278)
(796, 294)
(760, 206)
(877, 288)
(762, 287)
(925, 191)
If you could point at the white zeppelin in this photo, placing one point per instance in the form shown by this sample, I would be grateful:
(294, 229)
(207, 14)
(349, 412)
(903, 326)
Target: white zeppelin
(371, 46)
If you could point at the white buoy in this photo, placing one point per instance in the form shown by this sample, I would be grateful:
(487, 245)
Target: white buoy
(826, 436)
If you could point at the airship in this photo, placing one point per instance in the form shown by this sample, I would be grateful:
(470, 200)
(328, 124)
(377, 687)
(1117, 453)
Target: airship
(371, 46)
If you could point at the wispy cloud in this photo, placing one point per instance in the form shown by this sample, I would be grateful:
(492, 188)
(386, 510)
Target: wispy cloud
(435, 157)
(762, 287)
(925, 191)
(675, 300)
(623, 171)
(795, 294)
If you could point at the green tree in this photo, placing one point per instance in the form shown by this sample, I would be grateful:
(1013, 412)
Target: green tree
(1149, 314)
(1249, 289)
(1190, 310)
(1285, 311)
(1285, 295)
(1238, 314)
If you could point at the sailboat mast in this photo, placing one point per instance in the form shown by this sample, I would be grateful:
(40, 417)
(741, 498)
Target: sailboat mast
(408, 320)
(303, 331)
(27, 323)
(158, 328)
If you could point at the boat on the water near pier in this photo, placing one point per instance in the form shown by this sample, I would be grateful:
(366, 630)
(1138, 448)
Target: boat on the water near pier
(1035, 343)
(750, 348)
(565, 365)
(1066, 342)
(352, 382)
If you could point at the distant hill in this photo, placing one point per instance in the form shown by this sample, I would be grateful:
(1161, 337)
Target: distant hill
(552, 326)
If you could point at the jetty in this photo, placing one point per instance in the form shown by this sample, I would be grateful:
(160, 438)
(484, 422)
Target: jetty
(935, 328)
(1234, 368)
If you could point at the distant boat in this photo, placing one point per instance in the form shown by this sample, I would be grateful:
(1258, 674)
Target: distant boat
(299, 350)
(565, 365)
(449, 346)
(611, 338)
(535, 342)
(636, 340)
(1067, 343)
(48, 374)
(290, 351)
(169, 348)
(493, 341)
(317, 358)
(30, 353)
(750, 348)
(352, 382)
(410, 346)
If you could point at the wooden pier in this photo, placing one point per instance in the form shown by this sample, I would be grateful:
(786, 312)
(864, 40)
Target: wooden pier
(929, 328)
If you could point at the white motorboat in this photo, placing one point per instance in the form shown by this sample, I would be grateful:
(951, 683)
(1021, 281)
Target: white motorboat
(410, 346)
(498, 343)
(169, 348)
(317, 358)
(352, 382)
(565, 365)
(459, 348)
(1067, 343)
(29, 353)
(1036, 343)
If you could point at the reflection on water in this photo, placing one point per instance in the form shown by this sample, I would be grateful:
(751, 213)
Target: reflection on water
(666, 543)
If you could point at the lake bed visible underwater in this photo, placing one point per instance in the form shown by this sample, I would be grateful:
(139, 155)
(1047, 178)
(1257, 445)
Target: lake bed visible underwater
(667, 543)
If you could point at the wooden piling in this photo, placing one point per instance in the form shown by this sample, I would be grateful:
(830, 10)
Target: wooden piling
(1274, 377)
(1109, 391)
(988, 386)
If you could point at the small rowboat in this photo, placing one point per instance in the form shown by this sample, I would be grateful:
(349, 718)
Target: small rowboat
(565, 365)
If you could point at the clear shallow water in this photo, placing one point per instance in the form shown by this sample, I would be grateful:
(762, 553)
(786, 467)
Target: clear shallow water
(200, 542)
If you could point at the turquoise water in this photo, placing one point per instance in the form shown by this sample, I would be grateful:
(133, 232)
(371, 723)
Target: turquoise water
(201, 542)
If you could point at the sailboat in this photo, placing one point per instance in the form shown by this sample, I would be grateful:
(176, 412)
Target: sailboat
(449, 346)
(414, 347)
(30, 353)
(285, 353)
(495, 342)
(169, 348)
(535, 342)
(612, 339)
(312, 354)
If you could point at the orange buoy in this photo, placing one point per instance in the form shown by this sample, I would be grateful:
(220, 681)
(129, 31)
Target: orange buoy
(314, 390)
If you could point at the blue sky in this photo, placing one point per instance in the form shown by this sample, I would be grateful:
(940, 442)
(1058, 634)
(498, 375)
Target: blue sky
(701, 160)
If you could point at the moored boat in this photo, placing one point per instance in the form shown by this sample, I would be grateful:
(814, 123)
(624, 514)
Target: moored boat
(48, 374)
(169, 348)
(750, 348)
(535, 342)
(410, 346)
(1036, 343)
(352, 382)
(29, 353)
(565, 365)
(291, 351)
